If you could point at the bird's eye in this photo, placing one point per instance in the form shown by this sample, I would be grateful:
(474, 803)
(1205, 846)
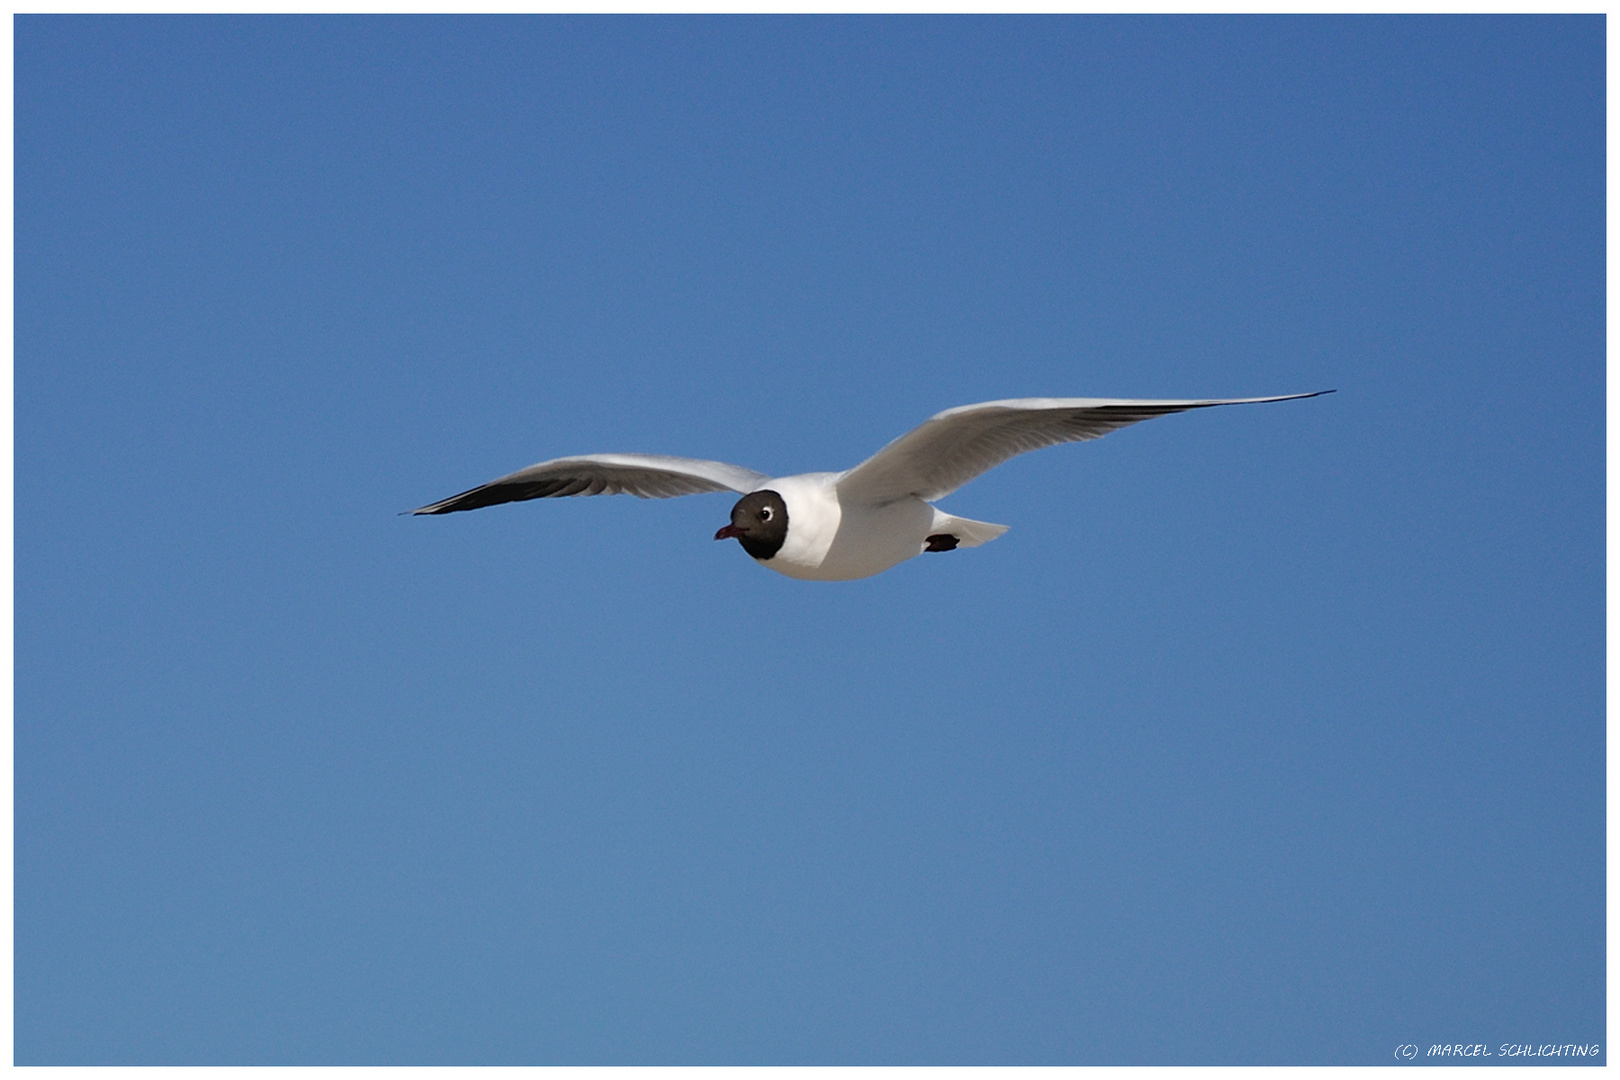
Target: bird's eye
(765, 514)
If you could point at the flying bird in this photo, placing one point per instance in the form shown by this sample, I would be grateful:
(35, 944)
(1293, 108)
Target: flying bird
(837, 526)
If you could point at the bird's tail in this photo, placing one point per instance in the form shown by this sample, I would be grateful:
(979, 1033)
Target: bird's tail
(968, 533)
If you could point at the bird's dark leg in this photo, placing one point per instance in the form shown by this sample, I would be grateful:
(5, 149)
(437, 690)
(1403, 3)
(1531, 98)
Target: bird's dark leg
(941, 542)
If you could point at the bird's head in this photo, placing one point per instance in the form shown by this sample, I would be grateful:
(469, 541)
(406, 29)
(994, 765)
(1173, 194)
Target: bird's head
(759, 521)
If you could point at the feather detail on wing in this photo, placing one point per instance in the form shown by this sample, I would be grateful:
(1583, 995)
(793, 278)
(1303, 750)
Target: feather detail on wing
(646, 476)
(948, 450)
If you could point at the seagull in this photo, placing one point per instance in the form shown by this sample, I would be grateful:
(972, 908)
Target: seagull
(853, 524)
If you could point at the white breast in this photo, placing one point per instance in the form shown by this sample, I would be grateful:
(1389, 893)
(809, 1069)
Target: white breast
(830, 542)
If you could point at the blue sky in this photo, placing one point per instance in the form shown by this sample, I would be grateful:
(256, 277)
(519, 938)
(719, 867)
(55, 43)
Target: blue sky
(1267, 735)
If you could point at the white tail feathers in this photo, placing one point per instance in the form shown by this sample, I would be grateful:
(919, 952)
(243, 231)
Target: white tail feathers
(969, 533)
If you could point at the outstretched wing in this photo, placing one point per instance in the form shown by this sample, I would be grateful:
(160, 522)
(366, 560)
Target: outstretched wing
(646, 476)
(953, 447)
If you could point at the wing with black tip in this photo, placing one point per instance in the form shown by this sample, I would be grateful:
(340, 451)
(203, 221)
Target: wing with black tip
(646, 476)
(957, 445)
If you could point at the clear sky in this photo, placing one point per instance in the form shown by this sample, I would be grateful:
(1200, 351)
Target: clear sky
(1270, 734)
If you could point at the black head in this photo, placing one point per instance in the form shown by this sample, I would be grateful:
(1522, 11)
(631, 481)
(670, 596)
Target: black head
(759, 521)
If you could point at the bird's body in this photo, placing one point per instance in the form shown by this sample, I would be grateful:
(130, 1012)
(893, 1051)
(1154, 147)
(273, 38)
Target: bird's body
(853, 524)
(829, 539)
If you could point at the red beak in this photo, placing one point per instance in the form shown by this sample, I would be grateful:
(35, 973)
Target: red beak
(728, 532)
